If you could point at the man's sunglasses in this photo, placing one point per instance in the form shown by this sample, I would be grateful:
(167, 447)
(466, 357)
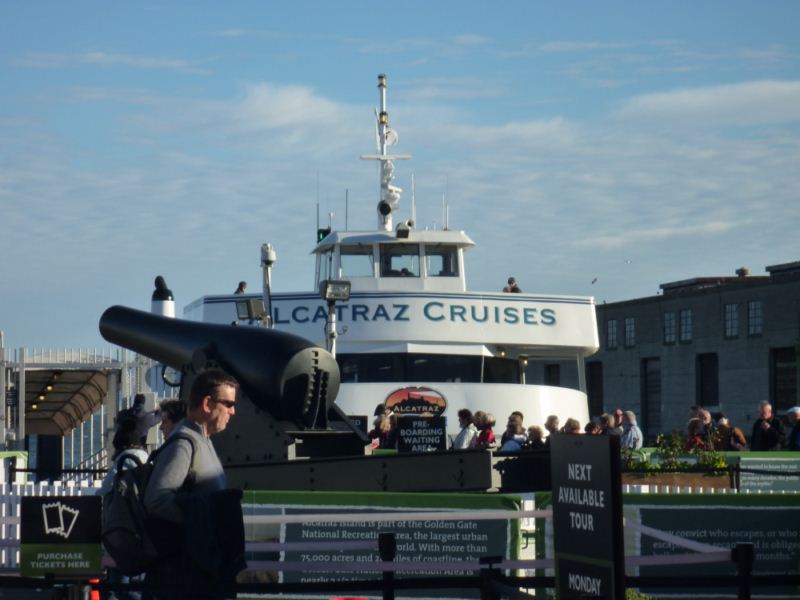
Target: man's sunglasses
(225, 403)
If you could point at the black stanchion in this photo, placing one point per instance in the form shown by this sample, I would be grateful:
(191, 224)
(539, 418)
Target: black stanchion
(488, 591)
(744, 555)
(387, 549)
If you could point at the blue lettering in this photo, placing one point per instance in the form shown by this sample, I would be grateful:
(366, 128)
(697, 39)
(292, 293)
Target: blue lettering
(321, 314)
(380, 312)
(278, 316)
(548, 316)
(475, 316)
(427, 313)
(510, 315)
(339, 310)
(496, 314)
(400, 314)
(530, 316)
(360, 310)
(458, 311)
(295, 313)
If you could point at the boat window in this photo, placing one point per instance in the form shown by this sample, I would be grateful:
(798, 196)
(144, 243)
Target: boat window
(501, 370)
(399, 260)
(356, 261)
(441, 261)
(325, 266)
(377, 368)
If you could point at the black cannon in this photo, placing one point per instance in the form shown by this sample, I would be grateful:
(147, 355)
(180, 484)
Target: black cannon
(288, 384)
(286, 411)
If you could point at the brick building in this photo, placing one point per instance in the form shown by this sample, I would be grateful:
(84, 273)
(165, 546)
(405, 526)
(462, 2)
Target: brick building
(722, 342)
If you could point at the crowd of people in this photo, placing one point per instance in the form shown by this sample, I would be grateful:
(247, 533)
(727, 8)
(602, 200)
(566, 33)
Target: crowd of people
(703, 431)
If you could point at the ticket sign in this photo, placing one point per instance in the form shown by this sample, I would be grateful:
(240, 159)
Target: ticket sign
(60, 536)
(587, 517)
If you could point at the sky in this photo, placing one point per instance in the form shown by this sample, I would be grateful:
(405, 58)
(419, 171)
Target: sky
(588, 148)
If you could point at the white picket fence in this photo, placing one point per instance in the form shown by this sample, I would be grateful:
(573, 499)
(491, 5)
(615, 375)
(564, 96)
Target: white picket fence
(11, 495)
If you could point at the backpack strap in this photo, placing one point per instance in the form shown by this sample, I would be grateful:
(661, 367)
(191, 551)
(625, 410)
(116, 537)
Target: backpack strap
(123, 462)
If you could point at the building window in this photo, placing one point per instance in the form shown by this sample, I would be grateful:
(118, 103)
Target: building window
(783, 375)
(630, 332)
(755, 318)
(731, 320)
(686, 325)
(707, 379)
(611, 333)
(670, 329)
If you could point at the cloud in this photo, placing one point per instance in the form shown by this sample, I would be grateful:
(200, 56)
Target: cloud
(746, 103)
(267, 106)
(569, 47)
(106, 59)
(636, 238)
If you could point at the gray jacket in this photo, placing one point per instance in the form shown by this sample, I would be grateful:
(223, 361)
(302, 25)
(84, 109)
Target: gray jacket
(172, 467)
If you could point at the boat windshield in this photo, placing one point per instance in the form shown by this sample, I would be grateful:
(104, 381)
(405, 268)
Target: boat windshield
(441, 260)
(399, 260)
(356, 261)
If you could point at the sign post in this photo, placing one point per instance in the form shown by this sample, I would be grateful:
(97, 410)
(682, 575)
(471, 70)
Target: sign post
(587, 517)
(60, 536)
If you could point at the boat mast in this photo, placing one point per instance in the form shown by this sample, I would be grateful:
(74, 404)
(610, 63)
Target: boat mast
(390, 194)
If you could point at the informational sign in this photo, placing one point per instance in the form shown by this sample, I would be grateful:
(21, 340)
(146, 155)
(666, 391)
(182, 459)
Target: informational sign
(421, 434)
(587, 517)
(60, 536)
(426, 542)
(770, 522)
(769, 475)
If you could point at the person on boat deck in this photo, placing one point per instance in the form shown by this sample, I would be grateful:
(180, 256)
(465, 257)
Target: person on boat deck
(535, 438)
(468, 430)
(512, 286)
(485, 437)
(793, 414)
(592, 428)
(631, 434)
(572, 427)
(514, 436)
(695, 434)
(551, 424)
(767, 430)
(511, 429)
(607, 425)
(383, 433)
(728, 438)
(242, 288)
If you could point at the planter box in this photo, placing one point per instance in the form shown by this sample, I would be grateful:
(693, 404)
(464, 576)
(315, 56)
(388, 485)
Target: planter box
(688, 479)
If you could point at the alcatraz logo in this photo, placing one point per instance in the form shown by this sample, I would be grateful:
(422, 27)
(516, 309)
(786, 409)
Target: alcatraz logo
(416, 400)
(59, 519)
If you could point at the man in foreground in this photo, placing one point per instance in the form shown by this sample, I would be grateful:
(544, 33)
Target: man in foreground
(187, 472)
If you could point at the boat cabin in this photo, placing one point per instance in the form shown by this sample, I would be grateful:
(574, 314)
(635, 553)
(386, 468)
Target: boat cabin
(384, 261)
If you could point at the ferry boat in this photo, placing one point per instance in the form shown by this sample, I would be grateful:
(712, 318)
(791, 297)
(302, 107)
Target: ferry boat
(409, 334)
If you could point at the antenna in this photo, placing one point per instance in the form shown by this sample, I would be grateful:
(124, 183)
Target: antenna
(346, 207)
(413, 200)
(317, 200)
(446, 213)
(389, 200)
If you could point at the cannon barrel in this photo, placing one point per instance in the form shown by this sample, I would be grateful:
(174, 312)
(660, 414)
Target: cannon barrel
(283, 374)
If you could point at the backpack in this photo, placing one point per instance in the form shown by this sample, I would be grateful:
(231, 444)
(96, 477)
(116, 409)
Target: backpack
(123, 531)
